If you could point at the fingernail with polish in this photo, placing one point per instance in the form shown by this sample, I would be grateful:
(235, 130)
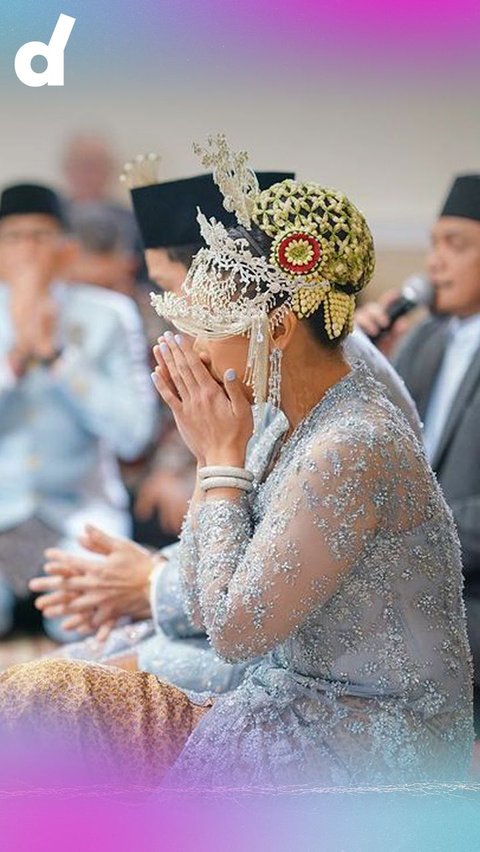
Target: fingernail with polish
(230, 375)
(163, 348)
(168, 335)
(178, 339)
(153, 377)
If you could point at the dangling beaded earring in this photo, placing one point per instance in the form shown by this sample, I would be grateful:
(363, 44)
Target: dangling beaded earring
(275, 378)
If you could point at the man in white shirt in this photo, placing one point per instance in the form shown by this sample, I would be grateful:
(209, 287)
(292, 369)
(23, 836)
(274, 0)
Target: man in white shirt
(74, 394)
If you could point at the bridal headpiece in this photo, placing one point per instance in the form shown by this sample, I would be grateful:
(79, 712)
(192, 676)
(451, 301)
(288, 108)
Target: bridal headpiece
(320, 253)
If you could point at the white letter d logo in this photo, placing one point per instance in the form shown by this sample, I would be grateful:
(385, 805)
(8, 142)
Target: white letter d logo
(54, 51)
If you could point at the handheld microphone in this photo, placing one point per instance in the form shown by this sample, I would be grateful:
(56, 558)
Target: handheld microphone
(416, 292)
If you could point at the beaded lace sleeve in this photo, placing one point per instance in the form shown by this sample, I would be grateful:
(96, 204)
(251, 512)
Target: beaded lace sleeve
(188, 564)
(257, 586)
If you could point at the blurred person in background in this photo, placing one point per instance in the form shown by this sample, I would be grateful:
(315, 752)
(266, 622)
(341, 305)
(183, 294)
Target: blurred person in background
(164, 477)
(89, 168)
(74, 394)
(102, 259)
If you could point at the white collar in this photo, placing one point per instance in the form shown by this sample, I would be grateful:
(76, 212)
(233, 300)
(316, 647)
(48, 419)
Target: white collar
(469, 327)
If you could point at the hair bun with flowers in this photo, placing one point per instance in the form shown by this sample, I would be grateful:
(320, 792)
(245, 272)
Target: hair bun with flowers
(320, 235)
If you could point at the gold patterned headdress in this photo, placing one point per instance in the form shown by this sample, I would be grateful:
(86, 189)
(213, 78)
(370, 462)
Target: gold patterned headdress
(321, 253)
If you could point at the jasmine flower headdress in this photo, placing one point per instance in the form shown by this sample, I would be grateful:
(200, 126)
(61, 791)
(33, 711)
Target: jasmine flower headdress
(321, 253)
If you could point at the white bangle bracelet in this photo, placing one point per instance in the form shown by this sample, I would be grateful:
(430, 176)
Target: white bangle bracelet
(218, 470)
(225, 482)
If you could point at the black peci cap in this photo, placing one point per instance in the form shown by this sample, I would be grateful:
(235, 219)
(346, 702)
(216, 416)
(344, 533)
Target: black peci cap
(27, 198)
(463, 198)
(166, 213)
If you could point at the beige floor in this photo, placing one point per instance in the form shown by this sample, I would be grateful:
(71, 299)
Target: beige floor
(20, 649)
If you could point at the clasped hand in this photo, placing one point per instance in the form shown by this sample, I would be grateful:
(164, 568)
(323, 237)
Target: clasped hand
(93, 594)
(34, 314)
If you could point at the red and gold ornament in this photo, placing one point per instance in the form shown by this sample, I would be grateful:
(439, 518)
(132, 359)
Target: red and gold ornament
(298, 253)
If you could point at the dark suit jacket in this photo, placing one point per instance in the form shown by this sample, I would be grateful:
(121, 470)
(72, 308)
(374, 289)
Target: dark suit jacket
(457, 459)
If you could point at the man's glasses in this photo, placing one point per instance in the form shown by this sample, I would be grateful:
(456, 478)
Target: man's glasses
(40, 236)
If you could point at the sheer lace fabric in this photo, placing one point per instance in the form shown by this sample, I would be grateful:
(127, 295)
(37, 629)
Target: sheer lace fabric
(343, 572)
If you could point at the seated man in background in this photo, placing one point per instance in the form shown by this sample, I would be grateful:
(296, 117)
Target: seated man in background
(124, 579)
(104, 261)
(74, 394)
(102, 258)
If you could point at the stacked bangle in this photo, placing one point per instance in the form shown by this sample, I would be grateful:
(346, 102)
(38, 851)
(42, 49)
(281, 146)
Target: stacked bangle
(225, 477)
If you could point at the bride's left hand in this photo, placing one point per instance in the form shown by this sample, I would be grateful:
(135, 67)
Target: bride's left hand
(214, 420)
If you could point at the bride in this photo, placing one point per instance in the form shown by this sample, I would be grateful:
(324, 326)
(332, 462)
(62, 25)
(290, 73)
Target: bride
(329, 556)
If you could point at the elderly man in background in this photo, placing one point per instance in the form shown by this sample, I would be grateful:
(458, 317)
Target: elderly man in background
(74, 394)
(102, 258)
